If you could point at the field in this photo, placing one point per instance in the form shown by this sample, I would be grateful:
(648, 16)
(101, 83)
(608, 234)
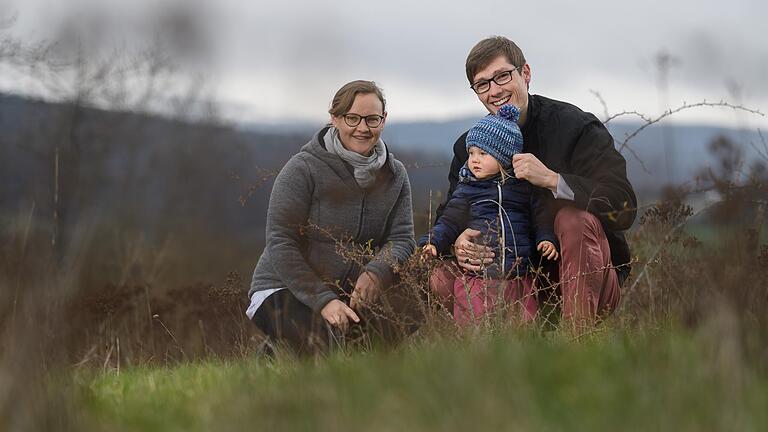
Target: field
(685, 351)
(616, 380)
(112, 332)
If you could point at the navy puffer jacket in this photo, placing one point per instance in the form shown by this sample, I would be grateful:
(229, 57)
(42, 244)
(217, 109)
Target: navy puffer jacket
(475, 204)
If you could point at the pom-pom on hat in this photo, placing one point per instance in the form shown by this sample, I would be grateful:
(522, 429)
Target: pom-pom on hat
(498, 135)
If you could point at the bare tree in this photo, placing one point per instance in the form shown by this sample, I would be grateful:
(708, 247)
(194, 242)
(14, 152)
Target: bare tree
(86, 67)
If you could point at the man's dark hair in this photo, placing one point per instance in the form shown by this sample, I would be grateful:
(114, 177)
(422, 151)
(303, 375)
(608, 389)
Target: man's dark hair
(488, 49)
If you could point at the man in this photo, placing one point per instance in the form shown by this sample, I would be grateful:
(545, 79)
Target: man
(571, 154)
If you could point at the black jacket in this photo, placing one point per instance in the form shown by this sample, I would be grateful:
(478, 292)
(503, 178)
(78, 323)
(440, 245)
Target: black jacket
(576, 145)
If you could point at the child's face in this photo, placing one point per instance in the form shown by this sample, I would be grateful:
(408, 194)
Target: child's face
(482, 164)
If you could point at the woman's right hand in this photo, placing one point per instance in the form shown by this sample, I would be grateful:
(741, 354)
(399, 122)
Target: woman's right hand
(429, 249)
(338, 314)
(469, 255)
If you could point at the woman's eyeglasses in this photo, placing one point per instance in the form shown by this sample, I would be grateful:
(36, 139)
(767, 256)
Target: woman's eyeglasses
(372, 121)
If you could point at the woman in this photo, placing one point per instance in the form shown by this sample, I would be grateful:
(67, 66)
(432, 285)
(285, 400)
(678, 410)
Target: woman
(342, 186)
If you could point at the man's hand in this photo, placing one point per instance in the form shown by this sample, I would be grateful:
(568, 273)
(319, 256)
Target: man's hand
(471, 256)
(337, 314)
(367, 290)
(527, 167)
(548, 250)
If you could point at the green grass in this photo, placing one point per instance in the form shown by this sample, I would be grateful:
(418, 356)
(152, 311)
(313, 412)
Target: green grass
(673, 380)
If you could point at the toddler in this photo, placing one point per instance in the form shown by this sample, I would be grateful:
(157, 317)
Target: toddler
(507, 212)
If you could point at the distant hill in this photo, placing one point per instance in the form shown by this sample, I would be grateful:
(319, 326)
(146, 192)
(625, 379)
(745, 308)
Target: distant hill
(129, 178)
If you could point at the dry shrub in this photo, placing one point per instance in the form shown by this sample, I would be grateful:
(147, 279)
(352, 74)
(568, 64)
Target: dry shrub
(130, 324)
(82, 314)
(682, 280)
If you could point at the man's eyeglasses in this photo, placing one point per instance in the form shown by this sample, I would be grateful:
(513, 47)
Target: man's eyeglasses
(372, 121)
(500, 78)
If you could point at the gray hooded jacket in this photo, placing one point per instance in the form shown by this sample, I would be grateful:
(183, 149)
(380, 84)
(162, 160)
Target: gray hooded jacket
(317, 212)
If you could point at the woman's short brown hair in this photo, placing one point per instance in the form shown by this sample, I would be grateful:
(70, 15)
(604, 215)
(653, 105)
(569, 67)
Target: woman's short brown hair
(487, 50)
(346, 95)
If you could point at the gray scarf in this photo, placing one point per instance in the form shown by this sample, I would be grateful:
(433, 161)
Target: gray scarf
(365, 167)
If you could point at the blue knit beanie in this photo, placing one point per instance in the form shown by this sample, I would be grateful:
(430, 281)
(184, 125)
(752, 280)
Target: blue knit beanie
(498, 135)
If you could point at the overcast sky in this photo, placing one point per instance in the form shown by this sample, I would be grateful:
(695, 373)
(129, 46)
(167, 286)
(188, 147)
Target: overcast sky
(283, 60)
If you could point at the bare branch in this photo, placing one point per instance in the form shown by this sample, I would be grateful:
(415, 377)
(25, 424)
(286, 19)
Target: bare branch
(637, 158)
(602, 102)
(762, 152)
(684, 107)
(627, 113)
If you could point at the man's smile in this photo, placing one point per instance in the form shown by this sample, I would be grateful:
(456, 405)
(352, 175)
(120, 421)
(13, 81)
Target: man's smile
(501, 102)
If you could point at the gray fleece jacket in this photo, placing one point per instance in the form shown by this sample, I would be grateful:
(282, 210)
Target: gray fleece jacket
(317, 212)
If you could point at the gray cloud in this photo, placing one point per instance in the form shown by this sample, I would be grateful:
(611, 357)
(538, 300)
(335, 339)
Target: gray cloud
(304, 49)
(709, 60)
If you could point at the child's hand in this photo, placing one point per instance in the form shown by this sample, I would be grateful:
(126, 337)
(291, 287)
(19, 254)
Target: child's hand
(431, 249)
(548, 250)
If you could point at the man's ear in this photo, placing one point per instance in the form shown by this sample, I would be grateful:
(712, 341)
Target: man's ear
(527, 74)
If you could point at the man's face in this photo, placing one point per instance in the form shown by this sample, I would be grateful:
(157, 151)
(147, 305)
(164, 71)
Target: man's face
(514, 92)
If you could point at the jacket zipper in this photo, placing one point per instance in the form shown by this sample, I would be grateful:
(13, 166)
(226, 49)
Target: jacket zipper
(359, 230)
(503, 234)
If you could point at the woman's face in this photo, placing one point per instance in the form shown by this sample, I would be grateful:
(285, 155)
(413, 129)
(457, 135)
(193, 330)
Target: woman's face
(361, 138)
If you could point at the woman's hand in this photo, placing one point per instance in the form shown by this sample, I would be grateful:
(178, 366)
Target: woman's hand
(471, 256)
(429, 249)
(367, 290)
(337, 314)
(548, 250)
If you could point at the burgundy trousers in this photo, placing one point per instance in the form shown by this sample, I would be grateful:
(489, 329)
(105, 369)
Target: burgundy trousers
(475, 298)
(588, 282)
